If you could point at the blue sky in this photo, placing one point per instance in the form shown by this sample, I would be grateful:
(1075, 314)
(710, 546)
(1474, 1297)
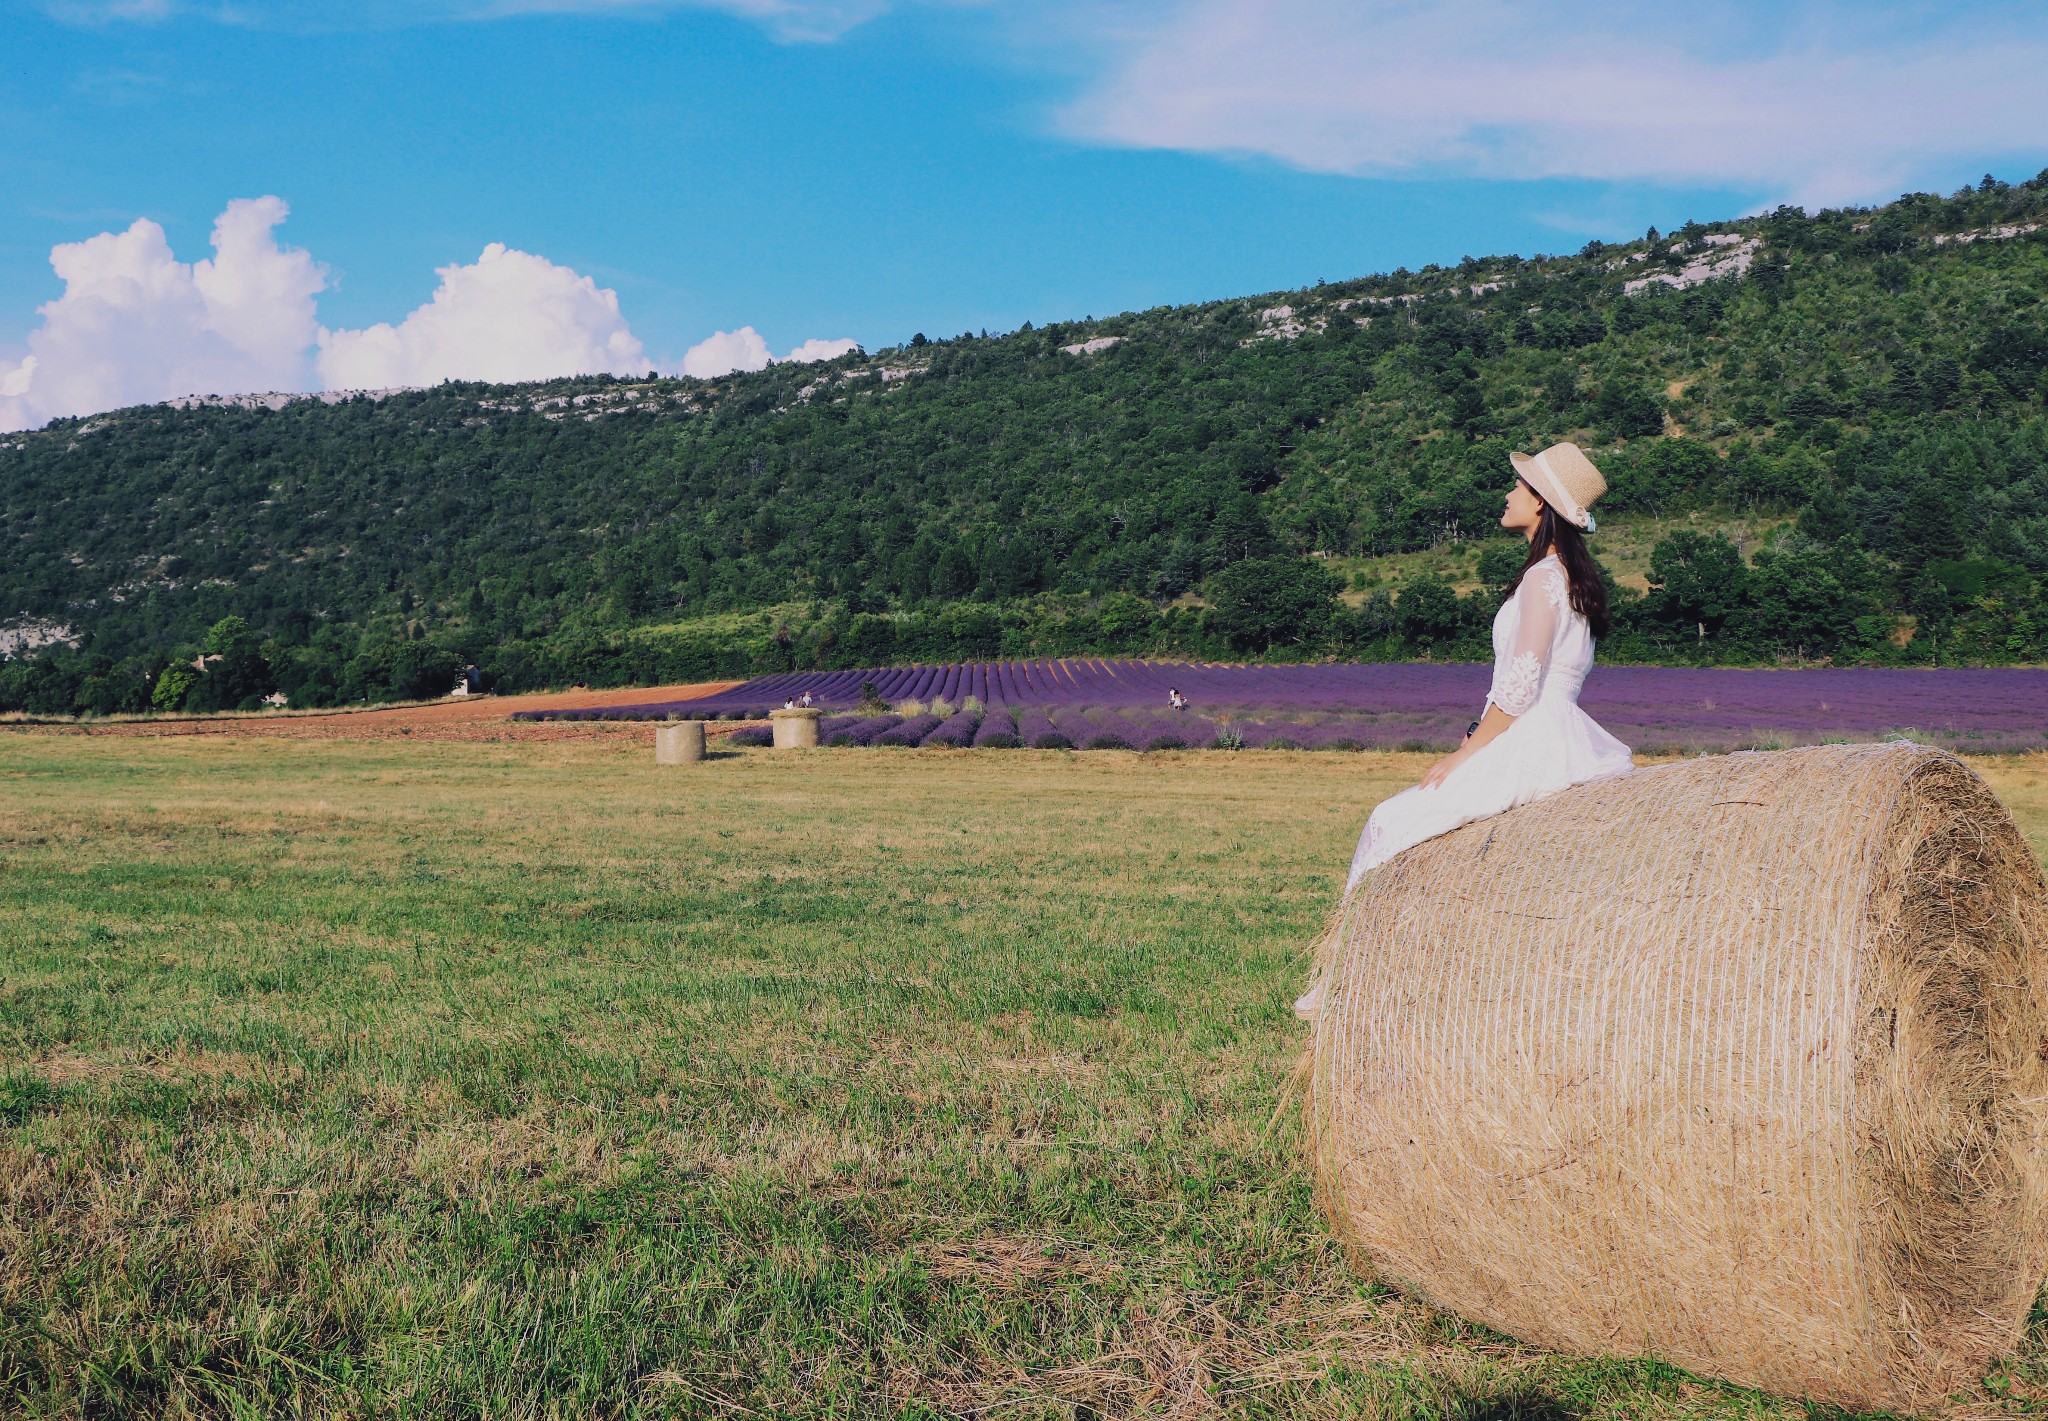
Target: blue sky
(857, 169)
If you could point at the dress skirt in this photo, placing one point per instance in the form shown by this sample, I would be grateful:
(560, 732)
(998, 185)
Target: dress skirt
(1553, 746)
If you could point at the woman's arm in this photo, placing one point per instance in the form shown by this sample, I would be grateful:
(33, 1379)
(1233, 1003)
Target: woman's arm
(1490, 725)
(1518, 677)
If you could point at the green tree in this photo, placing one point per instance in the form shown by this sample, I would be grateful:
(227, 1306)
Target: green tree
(1627, 411)
(1799, 604)
(1499, 561)
(1698, 581)
(230, 636)
(1430, 611)
(1664, 474)
(236, 675)
(1126, 621)
(954, 574)
(422, 671)
(173, 685)
(1260, 603)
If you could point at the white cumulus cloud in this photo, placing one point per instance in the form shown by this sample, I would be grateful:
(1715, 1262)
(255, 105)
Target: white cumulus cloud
(745, 349)
(135, 324)
(1815, 102)
(815, 350)
(508, 316)
(725, 352)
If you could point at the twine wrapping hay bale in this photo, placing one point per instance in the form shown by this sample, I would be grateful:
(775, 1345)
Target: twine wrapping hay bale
(1738, 1062)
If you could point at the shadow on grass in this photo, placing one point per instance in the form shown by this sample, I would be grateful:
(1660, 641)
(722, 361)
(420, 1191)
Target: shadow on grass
(1520, 1405)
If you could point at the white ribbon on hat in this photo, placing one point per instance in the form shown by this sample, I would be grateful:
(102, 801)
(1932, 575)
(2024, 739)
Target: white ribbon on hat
(1583, 517)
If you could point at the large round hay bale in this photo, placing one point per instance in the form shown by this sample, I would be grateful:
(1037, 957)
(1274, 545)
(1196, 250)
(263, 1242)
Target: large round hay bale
(1738, 1062)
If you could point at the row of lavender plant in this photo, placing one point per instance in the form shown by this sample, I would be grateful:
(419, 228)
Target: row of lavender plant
(1120, 684)
(1652, 708)
(1077, 728)
(998, 731)
(956, 730)
(1072, 728)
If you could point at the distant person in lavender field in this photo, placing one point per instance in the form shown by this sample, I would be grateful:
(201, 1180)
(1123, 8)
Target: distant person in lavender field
(1533, 739)
(805, 700)
(1175, 699)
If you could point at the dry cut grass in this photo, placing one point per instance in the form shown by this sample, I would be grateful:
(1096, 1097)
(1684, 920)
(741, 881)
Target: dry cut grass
(381, 1078)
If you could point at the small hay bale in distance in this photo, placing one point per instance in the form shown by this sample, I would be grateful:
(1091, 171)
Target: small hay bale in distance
(794, 728)
(679, 742)
(1739, 1062)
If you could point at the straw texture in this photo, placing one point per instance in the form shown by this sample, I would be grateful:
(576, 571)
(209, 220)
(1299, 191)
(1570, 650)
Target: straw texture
(1739, 1062)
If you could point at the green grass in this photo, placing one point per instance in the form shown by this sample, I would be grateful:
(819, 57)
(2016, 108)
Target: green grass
(531, 1080)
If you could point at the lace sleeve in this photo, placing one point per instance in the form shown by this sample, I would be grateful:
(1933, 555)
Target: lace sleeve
(1518, 675)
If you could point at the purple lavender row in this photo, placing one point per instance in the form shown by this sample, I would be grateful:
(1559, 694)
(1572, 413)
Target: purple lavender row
(912, 732)
(1654, 707)
(998, 732)
(1073, 725)
(1072, 728)
(1068, 728)
(1036, 730)
(1092, 682)
(1997, 708)
(958, 730)
(862, 731)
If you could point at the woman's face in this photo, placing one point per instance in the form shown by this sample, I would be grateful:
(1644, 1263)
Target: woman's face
(1523, 509)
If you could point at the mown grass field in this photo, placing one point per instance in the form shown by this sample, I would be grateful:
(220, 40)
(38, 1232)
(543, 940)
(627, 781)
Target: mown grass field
(377, 1078)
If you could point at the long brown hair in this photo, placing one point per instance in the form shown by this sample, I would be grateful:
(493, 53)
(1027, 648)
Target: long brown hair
(1588, 593)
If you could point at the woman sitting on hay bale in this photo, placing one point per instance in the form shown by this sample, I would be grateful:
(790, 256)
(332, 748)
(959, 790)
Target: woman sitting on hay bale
(1533, 739)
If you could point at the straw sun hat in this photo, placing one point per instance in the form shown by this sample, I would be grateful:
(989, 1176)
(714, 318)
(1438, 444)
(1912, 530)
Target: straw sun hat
(1565, 479)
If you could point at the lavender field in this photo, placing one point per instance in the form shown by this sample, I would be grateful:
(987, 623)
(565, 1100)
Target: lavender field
(1087, 704)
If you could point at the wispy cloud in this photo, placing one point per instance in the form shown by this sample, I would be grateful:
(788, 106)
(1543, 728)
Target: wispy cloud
(812, 21)
(1813, 103)
(1807, 100)
(796, 21)
(120, 87)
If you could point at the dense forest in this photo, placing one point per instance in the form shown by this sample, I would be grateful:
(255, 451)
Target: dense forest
(1180, 481)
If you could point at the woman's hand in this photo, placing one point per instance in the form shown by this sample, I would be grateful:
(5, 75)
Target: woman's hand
(1492, 724)
(1441, 770)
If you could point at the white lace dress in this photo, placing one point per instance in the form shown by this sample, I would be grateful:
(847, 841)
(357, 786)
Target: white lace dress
(1542, 650)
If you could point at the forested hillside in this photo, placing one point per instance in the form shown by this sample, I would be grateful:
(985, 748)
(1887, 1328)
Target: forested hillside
(1179, 480)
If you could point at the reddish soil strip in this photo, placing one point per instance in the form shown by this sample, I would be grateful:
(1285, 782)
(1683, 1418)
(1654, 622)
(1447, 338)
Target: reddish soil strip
(467, 718)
